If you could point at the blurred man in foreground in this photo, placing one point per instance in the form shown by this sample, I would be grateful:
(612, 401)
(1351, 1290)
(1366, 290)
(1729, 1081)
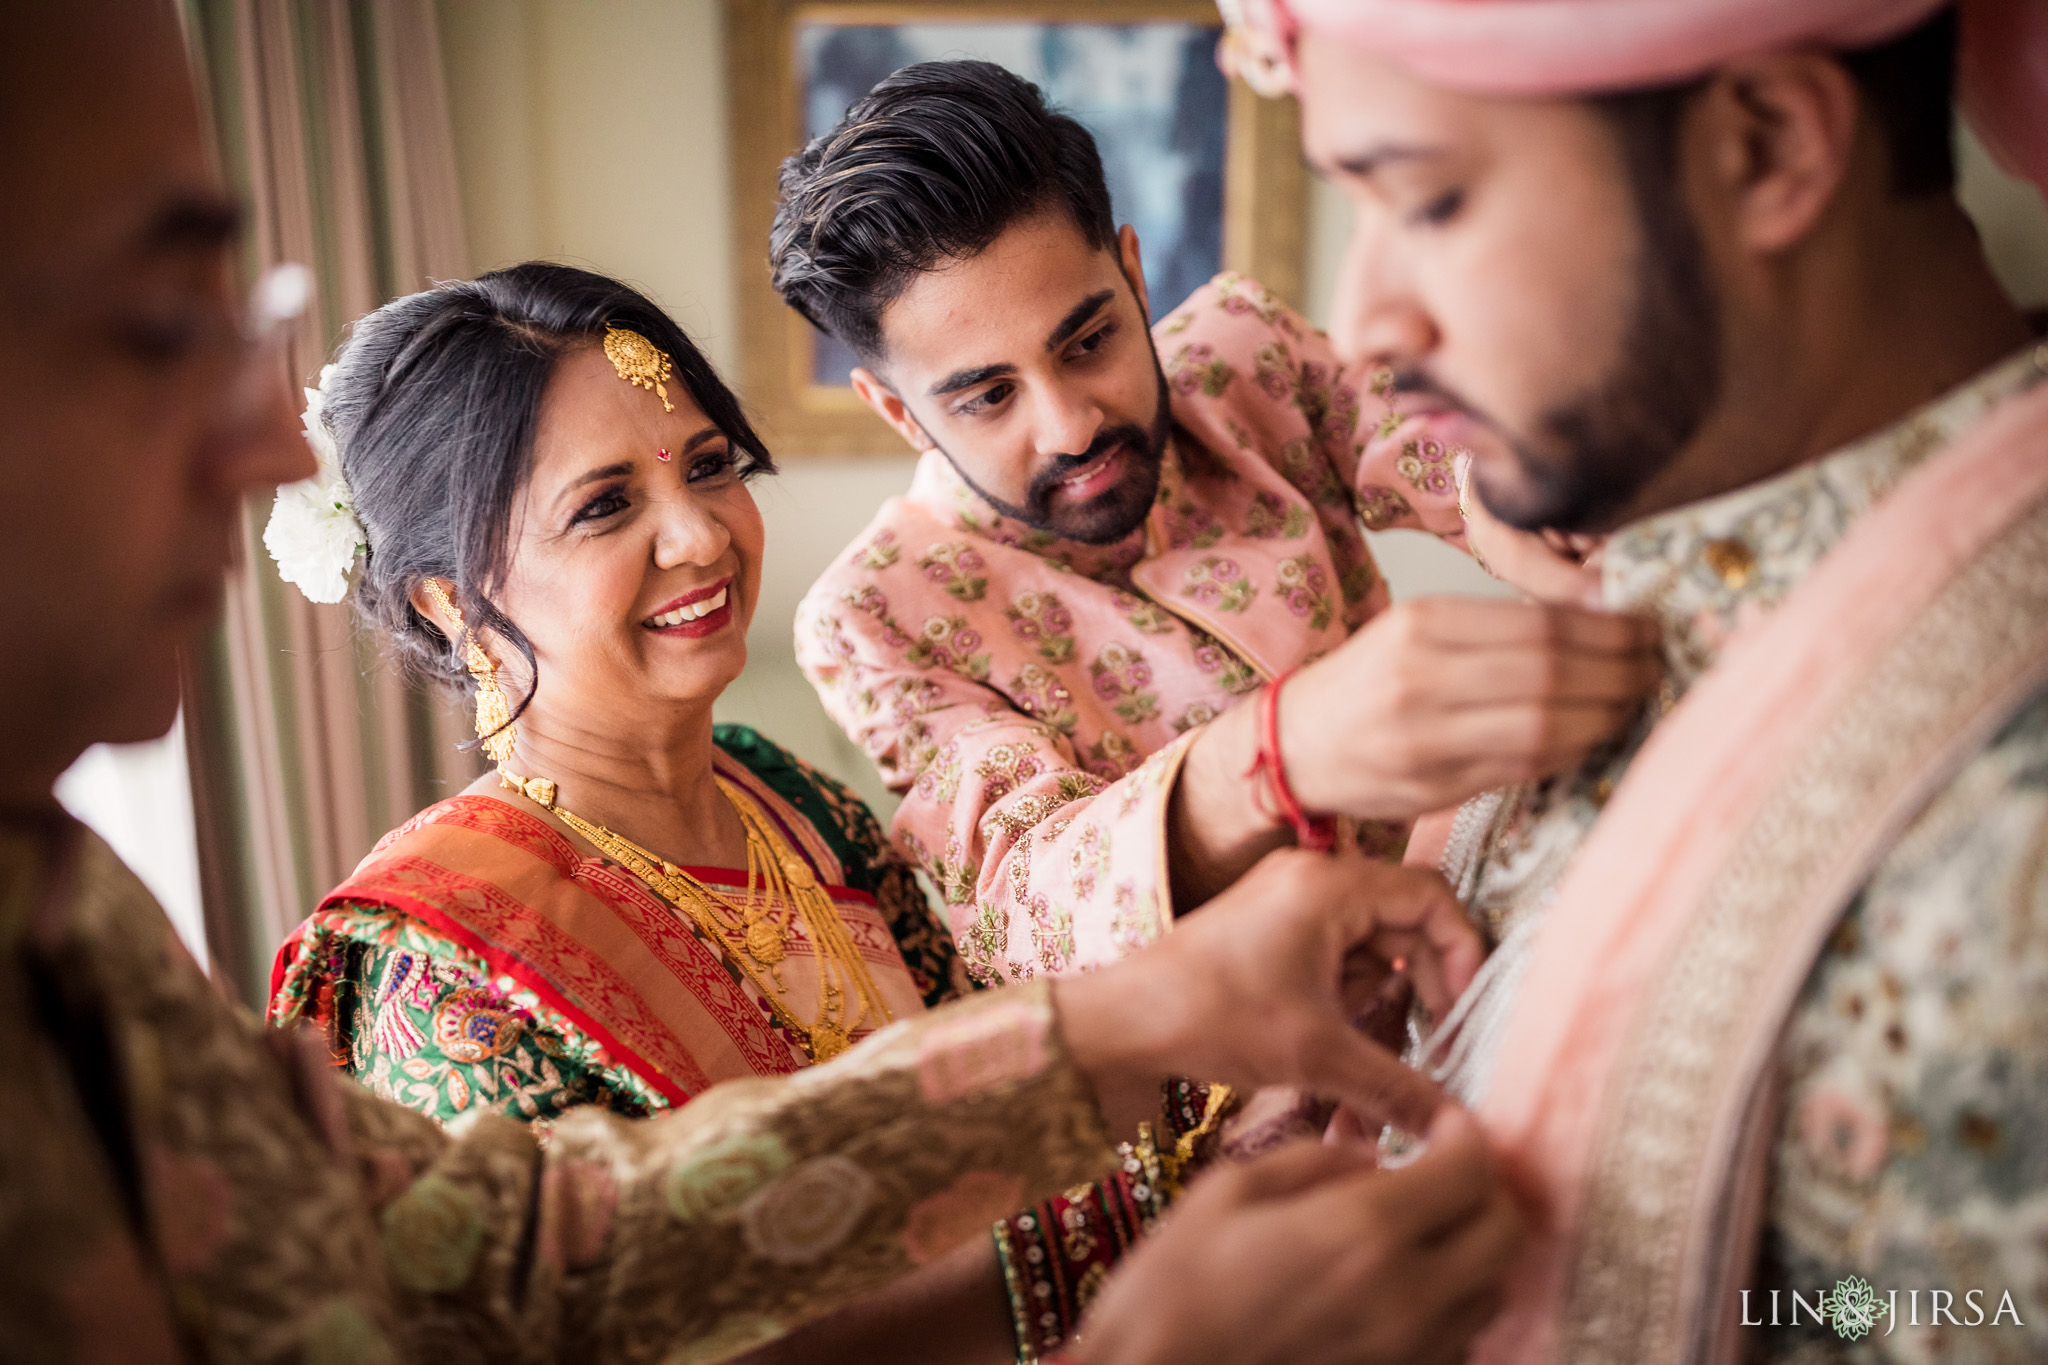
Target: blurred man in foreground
(176, 1184)
(1769, 1010)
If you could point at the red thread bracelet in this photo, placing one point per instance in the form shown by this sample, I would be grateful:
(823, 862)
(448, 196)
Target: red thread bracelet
(1318, 833)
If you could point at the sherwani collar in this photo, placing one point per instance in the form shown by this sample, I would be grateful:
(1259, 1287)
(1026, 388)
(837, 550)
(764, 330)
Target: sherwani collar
(1707, 568)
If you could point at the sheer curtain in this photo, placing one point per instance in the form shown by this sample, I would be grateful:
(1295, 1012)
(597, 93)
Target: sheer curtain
(304, 744)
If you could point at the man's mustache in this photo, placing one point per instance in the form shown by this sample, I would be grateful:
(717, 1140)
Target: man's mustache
(1063, 466)
(1421, 384)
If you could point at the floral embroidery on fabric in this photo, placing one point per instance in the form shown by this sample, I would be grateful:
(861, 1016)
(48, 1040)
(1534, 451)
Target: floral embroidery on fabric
(1268, 518)
(1233, 674)
(1192, 527)
(1274, 367)
(432, 1234)
(1196, 368)
(1039, 617)
(1197, 713)
(1147, 617)
(1121, 675)
(1379, 508)
(986, 944)
(1112, 756)
(1131, 925)
(879, 552)
(341, 1333)
(1089, 860)
(959, 568)
(1308, 470)
(1426, 463)
(1217, 582)
(1005, 768)
(1303, 585)
(1052, 933)
(1236, 294)
(949, 642)
(1329, 405)
(1040, 694)
(706, 1181)
(809, 1212)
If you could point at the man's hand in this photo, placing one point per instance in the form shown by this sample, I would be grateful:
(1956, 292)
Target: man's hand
(1261, 988)
(1549, 566)
(1309, 1256)
(1432, 703)
(1446, 697)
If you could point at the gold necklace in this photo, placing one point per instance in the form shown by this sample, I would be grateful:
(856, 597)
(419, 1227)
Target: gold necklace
(847, 993)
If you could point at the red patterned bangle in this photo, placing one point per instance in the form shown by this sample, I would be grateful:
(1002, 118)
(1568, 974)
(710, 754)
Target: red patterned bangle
(1056, 1256)
(1318, 833)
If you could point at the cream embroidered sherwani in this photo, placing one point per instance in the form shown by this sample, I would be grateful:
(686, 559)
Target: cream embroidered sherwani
(1914, 1068)
(1032, 697)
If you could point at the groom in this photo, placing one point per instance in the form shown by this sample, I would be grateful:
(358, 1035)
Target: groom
(1769, 1014)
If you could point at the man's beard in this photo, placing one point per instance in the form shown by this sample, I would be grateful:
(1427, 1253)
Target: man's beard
(1597, 452)
(1115, 514)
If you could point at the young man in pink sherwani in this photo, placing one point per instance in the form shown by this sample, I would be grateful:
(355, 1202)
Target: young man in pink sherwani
(1766, 1028)
(1065, 645)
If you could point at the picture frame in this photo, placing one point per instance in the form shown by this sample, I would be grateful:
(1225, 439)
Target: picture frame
(1263, 206)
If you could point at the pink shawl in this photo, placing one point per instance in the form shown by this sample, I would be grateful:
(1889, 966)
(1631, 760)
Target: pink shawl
(1632, 1093)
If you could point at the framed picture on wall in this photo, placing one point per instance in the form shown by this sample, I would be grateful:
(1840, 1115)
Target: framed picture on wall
(1209, 173)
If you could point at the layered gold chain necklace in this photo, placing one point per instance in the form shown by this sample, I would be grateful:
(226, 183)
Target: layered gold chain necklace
(847, 994)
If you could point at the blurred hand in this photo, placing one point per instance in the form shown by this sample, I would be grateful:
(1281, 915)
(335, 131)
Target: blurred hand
(1261, 988)
(1309, 1256)
(1442, 698)
(1550, 566)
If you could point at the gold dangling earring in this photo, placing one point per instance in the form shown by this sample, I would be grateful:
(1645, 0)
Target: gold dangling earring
(493, 712)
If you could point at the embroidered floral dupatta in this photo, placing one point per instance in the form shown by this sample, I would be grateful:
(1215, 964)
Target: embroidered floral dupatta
(593, 943)
(1632, 1093)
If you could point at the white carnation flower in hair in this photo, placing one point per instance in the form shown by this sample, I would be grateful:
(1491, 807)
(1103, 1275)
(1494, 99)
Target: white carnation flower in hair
(314, 534)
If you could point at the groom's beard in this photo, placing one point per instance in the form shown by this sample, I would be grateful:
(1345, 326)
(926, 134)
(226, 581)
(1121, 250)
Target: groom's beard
(1593, 455)
(1109, 517)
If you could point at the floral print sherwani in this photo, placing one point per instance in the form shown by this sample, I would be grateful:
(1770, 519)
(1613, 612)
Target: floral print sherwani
(1032, 697)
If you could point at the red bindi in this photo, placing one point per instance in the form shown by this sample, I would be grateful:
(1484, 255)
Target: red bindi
(662, 455)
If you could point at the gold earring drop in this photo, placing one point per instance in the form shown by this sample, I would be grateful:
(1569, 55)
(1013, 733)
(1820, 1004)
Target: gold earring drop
(493, 711)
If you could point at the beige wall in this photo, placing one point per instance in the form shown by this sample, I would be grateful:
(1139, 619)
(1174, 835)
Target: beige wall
(594, 131)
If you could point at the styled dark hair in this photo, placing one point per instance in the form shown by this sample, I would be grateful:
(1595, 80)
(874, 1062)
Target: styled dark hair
(931, 165)
(433, 404)
(1907, 85)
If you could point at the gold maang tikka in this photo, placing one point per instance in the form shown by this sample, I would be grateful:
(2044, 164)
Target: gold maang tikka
(639, 362)
(493, 711)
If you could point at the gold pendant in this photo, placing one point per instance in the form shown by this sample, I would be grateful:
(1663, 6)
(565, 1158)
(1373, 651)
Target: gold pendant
(796, 870)
(765, 943)
(828, 1041)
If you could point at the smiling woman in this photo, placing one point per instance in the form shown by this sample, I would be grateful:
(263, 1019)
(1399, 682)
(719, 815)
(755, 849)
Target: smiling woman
(552, 485)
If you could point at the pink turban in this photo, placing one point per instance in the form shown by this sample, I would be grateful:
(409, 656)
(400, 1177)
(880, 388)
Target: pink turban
(1565, 47)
